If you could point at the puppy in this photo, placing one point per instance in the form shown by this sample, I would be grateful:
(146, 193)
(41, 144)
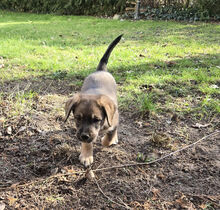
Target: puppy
(95, 108)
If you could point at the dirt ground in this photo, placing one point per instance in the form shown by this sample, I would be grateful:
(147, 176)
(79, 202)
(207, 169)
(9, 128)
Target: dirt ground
(37, 150)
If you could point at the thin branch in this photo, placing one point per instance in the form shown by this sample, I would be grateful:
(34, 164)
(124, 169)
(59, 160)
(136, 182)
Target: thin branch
(41, 180)
(100, 189)
(159, 159)
(113, 167)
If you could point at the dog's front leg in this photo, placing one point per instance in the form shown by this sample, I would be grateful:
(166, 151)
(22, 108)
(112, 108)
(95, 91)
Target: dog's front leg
(86, 155)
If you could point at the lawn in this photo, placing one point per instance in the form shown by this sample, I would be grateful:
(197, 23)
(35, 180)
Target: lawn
(168, 76)
(177, 59)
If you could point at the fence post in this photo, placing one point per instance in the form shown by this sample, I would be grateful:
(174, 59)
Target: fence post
(137, 11)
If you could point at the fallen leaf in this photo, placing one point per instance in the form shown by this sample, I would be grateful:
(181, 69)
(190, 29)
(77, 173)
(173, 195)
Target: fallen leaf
(147, 205)
(2, 120)
(161, 176)
(12, 200)
(14, 185)
(203, 206)
(156, 194)
(185, 203)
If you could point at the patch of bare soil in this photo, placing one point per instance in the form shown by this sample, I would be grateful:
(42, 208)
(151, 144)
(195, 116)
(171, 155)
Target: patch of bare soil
(37, 151)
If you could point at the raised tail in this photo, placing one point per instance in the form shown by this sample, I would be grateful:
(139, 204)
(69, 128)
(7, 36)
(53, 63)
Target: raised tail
(104, 60)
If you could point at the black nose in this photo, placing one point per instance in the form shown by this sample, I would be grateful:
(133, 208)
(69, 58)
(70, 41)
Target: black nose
(84, 137)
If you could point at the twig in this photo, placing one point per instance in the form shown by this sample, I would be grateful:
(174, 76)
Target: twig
(120, 166)
(100, 189)
(213, 199)
(41, 180)
(159, 159)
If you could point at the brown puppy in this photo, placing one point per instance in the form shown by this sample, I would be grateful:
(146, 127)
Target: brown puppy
(95, 108)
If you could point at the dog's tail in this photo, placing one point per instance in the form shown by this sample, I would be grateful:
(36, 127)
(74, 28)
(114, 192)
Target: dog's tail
(103, 62)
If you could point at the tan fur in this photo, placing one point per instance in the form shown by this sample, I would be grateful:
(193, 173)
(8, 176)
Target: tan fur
(86, 155)
(95, 109)
(110, 139)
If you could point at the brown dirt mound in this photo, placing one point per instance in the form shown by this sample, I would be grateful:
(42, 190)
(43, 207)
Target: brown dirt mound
(37, 149)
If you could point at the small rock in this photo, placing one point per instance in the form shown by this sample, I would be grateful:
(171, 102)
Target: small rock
(116, 17)
(2, 206)
(9, 130)
(90, 175)
(22, 128)
(214, 86)
(54, 171)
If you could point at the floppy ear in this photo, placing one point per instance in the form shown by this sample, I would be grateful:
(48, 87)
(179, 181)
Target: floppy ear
(70, 105)
(109, 107)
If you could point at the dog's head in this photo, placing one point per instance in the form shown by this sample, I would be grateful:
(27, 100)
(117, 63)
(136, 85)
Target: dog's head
(92, 113)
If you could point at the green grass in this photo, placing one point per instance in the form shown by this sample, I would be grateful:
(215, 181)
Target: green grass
(180, 60)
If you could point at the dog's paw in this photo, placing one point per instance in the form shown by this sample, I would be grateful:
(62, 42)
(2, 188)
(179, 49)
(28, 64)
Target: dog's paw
(115, 141)
(86, 160)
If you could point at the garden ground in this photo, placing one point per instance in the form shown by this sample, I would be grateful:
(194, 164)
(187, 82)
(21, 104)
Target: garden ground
(168, 82)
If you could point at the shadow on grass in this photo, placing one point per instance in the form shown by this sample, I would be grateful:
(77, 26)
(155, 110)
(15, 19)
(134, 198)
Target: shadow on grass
(64, 83)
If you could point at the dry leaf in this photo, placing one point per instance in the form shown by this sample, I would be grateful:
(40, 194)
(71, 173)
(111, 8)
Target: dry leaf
(203, 206)
(156, 194)
(14, 185)
(147, 205)
(185, 203)
(12, 200)
(2, 120)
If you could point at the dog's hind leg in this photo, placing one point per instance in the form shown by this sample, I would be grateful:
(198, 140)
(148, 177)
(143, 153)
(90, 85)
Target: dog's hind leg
(110, 138)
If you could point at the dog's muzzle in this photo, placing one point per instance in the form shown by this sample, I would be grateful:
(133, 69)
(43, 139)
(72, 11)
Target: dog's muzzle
(85, 138)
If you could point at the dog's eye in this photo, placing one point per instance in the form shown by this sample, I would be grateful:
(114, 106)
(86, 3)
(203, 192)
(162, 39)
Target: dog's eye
(96, 120)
